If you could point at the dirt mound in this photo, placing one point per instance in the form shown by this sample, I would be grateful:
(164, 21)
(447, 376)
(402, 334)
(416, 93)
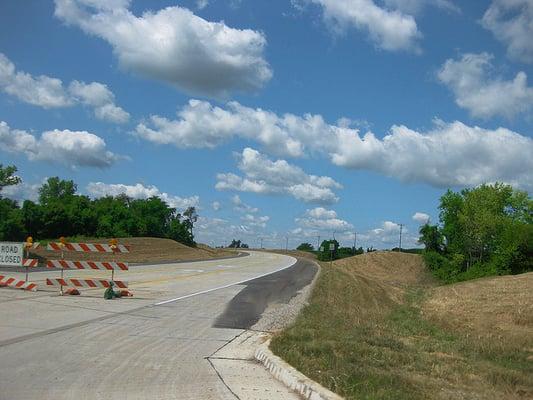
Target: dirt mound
(143, 249)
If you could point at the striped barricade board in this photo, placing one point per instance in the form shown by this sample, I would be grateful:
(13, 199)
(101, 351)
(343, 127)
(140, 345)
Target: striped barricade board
(88, 283)
(88, 247)
(30, 262)
(17, 283)
(99, 265)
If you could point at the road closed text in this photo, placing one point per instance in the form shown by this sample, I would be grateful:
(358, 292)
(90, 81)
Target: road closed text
(11, 253)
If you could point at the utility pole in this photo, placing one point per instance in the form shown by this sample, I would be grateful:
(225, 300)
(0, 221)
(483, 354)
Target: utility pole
(400, 247)
(287, 243)
(354, 241)
(318, 244)
(261, 239)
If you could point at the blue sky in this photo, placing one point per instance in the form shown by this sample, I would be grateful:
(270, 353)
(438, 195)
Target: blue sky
(276, 118)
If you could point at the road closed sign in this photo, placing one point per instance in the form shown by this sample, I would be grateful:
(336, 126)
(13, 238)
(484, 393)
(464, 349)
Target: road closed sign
(11, 253)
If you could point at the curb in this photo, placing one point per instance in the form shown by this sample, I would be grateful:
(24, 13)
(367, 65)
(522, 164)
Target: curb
(292, 378)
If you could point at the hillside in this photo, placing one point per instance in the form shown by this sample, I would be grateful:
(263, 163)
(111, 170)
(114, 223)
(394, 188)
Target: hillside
(144, 249)
(379, 327)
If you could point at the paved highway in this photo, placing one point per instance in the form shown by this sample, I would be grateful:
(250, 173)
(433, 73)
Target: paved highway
(152, 346)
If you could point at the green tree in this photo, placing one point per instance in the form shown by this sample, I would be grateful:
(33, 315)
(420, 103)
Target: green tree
(487, 230)
(11, 222)
(305, 247)
(8, 177)
(179, 232)
(191, 216)
(431, 237)
(56, 190)
(325, 254)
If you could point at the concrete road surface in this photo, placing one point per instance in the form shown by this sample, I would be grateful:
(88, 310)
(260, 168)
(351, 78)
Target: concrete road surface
(155, 345)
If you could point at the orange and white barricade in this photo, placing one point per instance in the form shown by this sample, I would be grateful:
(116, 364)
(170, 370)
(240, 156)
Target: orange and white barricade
(112, 247)
(17, 283)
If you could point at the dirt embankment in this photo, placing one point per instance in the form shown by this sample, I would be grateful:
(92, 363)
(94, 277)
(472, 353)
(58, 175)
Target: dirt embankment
(143, 249)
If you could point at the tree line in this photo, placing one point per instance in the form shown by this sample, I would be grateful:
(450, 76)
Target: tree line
(61, 211)
(483, 231)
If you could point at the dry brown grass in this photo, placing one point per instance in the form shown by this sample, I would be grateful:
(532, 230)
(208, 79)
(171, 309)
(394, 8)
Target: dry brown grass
(379, 327)
(143, 249)
(500, 308)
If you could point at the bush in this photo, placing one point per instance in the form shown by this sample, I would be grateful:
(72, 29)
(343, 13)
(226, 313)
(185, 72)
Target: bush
(305, 247)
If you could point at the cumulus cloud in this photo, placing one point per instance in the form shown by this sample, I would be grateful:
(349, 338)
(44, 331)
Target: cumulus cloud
(216, 205)
(99, 97)
(255, 220)
(421, 218)
(201, 4)
(22, 191)
(47, 92)
(477, 91)
(451, 154)
(511, 22)
(219, 231)
(71, 148)
(262, 175)
(202, 125)
(240, 206)
(321, 219)
(139, 191)
(388, 29)
(388, 236)
(414, 7)
(42, 90)
(174, 45)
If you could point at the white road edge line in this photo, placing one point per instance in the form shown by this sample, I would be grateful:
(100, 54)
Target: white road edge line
(225, 286)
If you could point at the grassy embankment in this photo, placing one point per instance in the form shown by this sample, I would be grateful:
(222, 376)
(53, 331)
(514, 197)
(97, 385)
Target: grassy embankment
(379, 327)
(143, 249)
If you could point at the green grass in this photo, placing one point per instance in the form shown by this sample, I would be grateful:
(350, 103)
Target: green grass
(360, 343)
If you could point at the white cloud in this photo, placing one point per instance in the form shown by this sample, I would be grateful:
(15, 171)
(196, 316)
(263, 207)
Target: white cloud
(255, 220)
(98, 96)
(485, 96)
(389, 29)
(202, 125)
(321, 213)
(414, 7)
(47, 92)
(139, 191)
(421, 218)
(216, 205)
(451, 154)
(265, 176)
(240, 206)
(41, 91)
(320, 219)
(387, 236)
(22, 191)
(201, 4)
(511, 22)
(218, 231)
(72, 148)
(175, 46)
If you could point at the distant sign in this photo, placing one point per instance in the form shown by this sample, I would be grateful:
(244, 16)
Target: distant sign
(332, 247)
(11, 253)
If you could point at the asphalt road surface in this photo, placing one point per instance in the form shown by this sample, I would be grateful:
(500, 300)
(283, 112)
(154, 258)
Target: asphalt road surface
(152, 346)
